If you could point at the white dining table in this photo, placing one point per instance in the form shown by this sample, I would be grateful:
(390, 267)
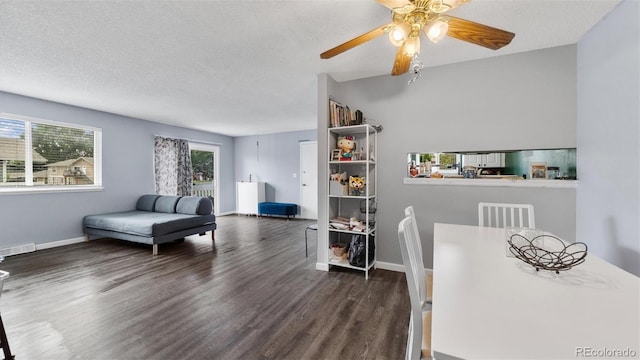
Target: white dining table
(487, 305)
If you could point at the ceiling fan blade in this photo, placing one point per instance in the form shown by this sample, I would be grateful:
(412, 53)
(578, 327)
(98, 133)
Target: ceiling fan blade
(393, 4)
(401, 63)
(354, 42)
(478, 34)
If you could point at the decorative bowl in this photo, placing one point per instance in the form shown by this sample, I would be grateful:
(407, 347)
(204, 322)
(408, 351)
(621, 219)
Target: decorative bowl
(547, 252)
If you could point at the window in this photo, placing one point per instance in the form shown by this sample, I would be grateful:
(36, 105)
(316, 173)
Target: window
(446, 163)
(38, 154)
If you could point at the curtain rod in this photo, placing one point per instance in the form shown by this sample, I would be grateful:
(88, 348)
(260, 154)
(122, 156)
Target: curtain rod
(190, 140)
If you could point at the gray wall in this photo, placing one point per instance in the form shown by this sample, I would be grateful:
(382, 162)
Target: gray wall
(127, 156)
(521, 101)
(273, 161)
(326, 86)
(608, 214)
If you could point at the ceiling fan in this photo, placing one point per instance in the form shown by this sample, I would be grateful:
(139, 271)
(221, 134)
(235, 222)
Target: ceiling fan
(411, 17)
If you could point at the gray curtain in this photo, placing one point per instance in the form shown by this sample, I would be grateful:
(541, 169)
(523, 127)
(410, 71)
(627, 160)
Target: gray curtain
(173, 172)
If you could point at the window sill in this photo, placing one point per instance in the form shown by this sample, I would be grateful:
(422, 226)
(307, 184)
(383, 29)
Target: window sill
(48, 189)
(558, 184)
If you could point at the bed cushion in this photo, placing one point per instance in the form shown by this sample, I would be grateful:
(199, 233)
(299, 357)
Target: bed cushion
(166, 204)
(146, 223)
(146, 202)
(194, 205)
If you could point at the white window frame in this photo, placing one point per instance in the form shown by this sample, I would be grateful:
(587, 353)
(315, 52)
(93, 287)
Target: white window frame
(29, 187)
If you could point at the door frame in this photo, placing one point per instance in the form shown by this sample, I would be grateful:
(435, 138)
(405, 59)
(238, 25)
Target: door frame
(303, 143)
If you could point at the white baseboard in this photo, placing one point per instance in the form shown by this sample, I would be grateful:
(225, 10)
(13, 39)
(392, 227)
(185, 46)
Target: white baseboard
(395, 267)
(389, 266)
(379, 265)
(226, 213)
(53, 244)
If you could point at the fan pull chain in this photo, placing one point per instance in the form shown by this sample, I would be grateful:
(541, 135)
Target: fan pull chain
(415, 68)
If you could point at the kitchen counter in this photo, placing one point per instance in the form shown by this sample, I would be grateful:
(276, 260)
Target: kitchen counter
(510, 177)
(492, 180)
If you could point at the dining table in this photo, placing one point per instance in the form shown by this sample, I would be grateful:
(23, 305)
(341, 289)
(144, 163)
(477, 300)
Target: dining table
(487, 305)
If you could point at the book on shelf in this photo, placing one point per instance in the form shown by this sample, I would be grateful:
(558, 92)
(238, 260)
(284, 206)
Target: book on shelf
(341, 115)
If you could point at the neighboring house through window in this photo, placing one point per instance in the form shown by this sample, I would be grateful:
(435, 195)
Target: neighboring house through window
(37, 154)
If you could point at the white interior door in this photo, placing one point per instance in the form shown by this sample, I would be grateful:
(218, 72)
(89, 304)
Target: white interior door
(309, 180)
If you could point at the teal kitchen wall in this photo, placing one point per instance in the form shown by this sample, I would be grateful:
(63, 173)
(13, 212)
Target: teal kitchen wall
(519, 162)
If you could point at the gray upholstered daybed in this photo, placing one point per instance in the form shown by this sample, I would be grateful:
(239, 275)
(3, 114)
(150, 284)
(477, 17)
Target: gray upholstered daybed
(157, 219)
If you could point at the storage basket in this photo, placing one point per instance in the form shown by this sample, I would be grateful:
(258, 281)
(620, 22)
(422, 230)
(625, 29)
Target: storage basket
(338, 189)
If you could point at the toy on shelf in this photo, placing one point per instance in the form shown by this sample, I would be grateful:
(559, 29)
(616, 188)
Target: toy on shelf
(346, 144)
(338, 184)
(356, 185)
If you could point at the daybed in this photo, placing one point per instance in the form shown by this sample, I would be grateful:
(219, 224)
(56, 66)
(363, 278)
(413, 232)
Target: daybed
(157, 219)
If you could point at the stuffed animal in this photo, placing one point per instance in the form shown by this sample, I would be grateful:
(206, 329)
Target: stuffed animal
(340, 177)
(346, 144)
(356, 185)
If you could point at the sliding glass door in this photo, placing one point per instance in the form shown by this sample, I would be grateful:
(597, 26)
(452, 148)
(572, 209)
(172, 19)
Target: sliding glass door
(204, 160)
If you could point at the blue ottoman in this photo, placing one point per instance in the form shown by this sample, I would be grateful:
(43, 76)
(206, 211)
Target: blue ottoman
(275, 208)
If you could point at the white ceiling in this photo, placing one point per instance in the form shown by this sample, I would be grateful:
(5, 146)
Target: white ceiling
(235, 67)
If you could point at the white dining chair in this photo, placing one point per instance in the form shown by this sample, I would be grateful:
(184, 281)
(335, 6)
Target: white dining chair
(506, 215)
(419, 335)
(425, 281)
(4, 343)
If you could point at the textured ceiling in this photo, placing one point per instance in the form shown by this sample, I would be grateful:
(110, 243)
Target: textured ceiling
(235, 67)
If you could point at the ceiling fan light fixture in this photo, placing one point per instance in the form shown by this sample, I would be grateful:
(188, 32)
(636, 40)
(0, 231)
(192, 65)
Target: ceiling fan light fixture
(410, 18)
(405, 9)
(439, 6)
(412, 46)
(398, 35)
(437, 30)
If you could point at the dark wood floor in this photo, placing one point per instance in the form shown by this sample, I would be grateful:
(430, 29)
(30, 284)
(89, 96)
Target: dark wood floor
(251, 295)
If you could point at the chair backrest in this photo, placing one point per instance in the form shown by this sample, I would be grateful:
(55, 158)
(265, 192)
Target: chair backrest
(417, 247)
(405, 232)
(506, 215)
(409, 212)
(3, 276)
(409, 260)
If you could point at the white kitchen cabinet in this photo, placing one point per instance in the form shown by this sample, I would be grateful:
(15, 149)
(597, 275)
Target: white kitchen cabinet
(471, 160)
(491, 160)
(248, 195)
